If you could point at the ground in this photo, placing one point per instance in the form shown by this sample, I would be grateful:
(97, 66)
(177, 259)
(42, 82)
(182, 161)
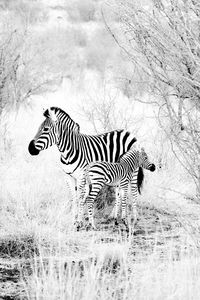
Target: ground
(107, 262)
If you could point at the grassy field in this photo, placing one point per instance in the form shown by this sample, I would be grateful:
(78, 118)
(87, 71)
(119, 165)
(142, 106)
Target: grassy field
(43, 257)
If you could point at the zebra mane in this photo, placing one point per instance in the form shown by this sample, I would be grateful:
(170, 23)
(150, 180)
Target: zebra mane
(116, 130)
(59, 114)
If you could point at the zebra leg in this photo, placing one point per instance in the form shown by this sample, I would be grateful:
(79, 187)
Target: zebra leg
(134, 194)
(124, 192)
(115, 210)
(81, 198)
(72, 186)
(90, 207)
(93, 192)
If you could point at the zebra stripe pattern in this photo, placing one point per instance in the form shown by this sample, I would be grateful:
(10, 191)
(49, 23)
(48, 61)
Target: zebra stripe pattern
(78, 150)
(119, 174)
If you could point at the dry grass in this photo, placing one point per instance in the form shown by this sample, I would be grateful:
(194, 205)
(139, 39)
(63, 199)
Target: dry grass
(43, 257)
(83, 266)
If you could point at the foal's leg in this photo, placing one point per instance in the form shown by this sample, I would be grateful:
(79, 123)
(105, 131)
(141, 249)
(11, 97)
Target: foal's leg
(124, 192)
(134, 194)
(93, 192)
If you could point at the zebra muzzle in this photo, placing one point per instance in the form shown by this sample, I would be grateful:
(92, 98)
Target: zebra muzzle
(152, 168)
(32, 150)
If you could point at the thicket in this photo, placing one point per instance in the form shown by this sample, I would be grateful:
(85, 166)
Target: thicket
(162, 39)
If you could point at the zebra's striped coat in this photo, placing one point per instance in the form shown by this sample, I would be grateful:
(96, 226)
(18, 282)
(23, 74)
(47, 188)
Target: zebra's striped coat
(78, 150)
(119, 174)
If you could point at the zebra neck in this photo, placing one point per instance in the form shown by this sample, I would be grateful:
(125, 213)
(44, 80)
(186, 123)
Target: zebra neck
(134, 166)
(67, 140)
(69, 147)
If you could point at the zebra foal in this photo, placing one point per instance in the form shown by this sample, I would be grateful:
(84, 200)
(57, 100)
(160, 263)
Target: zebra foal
(118, 174)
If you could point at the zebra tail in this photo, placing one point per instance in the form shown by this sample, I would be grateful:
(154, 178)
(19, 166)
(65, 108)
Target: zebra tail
(140, 179)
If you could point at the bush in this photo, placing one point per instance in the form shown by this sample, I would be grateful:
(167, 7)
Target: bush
(32, 11)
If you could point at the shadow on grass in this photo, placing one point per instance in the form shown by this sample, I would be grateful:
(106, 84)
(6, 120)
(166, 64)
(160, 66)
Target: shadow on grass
(15, 254)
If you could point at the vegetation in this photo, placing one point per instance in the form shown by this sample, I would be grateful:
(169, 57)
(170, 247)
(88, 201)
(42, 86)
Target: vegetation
(136, 68)
(162, 38)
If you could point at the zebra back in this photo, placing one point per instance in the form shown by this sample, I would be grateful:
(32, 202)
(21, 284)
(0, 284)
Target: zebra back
(78, 149)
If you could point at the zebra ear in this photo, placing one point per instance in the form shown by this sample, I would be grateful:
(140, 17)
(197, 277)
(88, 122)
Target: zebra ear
(52, 114)
(46, 113)
(142, 149)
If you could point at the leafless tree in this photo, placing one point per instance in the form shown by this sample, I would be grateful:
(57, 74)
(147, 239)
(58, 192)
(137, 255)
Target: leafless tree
(105, 112)
(162, 38)
(22, 76)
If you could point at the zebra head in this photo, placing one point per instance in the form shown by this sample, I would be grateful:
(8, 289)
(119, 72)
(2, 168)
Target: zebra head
(51, 130)
(47, 134)
(144, 161)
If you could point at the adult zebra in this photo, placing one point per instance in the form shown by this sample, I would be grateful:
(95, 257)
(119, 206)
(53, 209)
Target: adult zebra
(78, 150)
(119, 174)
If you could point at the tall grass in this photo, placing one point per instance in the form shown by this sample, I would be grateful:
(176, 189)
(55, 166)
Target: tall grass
(110, 271)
